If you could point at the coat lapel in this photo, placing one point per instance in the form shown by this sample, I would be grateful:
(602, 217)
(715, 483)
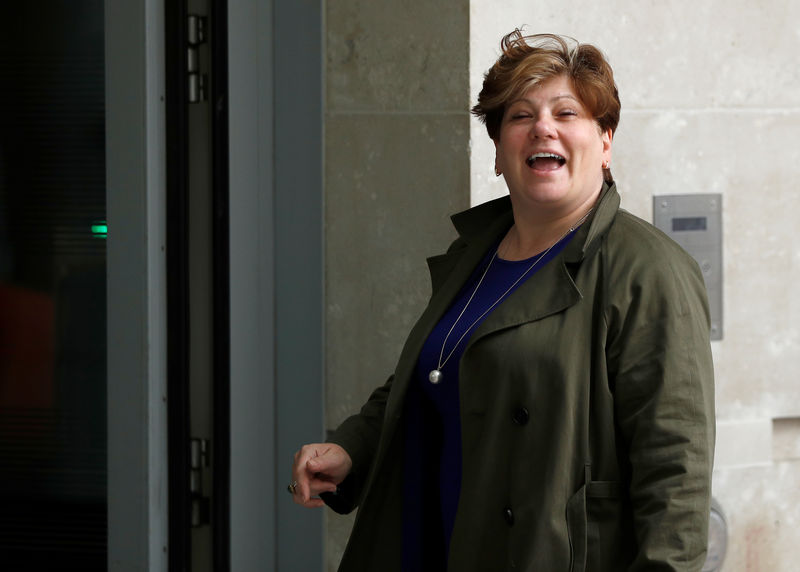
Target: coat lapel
(550, 290)
(449, 272)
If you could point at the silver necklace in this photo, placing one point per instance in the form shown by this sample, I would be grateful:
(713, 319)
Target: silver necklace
(435, 376)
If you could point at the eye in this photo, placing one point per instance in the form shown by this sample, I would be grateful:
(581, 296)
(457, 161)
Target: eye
(568, 112)
(520, 115)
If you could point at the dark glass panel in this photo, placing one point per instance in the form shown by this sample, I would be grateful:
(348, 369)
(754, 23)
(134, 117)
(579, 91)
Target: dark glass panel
(52, 286)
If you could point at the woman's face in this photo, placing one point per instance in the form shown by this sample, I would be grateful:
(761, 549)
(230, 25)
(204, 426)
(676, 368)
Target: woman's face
(551, 151)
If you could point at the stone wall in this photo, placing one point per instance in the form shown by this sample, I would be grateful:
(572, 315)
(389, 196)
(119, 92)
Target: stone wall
(710, 104)
(397, 164)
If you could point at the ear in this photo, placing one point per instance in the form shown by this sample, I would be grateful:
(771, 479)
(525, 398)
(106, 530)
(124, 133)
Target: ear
(607, 138)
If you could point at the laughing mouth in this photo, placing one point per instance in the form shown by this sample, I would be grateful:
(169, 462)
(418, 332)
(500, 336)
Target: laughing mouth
(547, 161)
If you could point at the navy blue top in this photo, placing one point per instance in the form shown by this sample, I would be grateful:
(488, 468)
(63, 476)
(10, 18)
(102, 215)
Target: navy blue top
(432, 467)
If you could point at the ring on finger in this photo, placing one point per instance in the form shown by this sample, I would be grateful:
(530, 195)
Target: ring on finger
(292, 488)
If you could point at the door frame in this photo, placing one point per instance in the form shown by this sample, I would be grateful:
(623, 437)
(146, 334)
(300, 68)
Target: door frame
(136, 285)
(276, 86)
(276, 161)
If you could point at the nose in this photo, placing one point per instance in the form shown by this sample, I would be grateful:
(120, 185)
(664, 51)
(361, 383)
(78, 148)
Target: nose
(543, 128)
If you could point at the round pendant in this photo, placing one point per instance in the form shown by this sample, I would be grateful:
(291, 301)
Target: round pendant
(435, 376)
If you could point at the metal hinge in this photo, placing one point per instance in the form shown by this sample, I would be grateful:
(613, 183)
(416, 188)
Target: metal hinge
(195, 36)
(199, 459)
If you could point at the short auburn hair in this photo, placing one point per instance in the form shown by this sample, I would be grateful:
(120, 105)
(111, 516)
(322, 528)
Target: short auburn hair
(527, 61)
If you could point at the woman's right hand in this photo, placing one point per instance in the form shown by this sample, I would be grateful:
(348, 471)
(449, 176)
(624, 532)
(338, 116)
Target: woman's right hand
(318, 468)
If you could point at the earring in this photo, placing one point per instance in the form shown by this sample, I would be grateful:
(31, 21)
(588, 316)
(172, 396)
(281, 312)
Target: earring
(605, 164)
(497, 172)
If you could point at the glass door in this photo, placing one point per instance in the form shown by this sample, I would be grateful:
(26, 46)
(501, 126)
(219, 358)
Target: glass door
(52, 286)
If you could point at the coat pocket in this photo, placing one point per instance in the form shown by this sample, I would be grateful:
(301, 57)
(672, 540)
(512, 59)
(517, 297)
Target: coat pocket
(576, 527)
(593, 515)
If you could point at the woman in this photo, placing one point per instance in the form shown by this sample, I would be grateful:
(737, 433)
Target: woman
(553, 408)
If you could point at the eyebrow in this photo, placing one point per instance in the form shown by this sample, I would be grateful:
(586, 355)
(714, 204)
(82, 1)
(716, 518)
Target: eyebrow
(566, 96)
(554, 98)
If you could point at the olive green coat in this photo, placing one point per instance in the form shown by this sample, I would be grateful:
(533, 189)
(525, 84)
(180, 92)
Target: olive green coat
(587, 410)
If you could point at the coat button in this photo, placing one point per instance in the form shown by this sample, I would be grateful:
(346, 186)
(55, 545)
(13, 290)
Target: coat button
(508, 514)
(521, 416)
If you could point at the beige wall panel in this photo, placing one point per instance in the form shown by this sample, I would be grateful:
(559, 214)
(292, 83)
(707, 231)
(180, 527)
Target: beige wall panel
(398, 55)
(760, 505)
(392, 182)
(752, 159)
(338, 529)
(743, 443)
(397, 165)
(786, 439)
(669, 56)
(710, 104)
(677, 53)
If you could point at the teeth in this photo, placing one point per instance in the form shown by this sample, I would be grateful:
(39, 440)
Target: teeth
(535, 156)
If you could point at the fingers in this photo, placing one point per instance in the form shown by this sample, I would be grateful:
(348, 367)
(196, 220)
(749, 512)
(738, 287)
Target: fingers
(309, 500)
(318, 468)
(330, 460)
(311, 503)
(321, 462)
(310, 496)
(310, 487)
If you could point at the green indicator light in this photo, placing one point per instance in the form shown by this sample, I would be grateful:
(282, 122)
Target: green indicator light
(99, 229)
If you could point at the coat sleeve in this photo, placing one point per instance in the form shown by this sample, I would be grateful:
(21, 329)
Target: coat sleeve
(358, 435)
(661, 373)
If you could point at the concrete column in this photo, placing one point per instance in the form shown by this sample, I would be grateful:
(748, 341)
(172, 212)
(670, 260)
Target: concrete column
(397, 165)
